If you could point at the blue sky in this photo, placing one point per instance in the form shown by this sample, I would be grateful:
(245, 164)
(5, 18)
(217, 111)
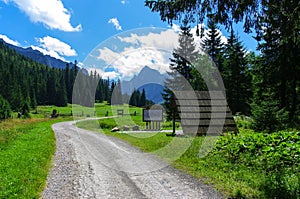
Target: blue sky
(70, 29)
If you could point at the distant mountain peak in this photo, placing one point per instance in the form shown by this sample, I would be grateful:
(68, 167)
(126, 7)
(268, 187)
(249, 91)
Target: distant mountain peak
(148, 70)
(149, 79)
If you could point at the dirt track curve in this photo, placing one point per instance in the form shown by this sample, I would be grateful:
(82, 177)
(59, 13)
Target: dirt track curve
(92, 165)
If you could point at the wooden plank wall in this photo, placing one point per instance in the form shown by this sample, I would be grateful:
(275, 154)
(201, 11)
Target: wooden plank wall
(204, 112)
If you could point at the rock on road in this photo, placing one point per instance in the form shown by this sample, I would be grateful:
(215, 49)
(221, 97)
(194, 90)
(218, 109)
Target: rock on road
(92, 165)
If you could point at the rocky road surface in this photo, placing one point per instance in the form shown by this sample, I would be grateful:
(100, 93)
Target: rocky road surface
(92, 165)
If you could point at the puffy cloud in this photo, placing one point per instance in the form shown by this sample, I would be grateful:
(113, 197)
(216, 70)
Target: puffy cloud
(54, 47)
(152, 49)
(107, 55)
(47, 52)
(130, 62)
(165, 40)
(9, 41)
(104, 75)
(124, 2)
(116, 23)
(51, 13)
(53, 44)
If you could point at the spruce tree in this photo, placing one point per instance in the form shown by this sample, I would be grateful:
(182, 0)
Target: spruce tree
(279, 68)
(25, 110)
(133, 101)
(143, 98)
(138, 98)
(181, 65)
(117, 94)
(61, 98)
(212, 44)
(236, 76)
(5, 111)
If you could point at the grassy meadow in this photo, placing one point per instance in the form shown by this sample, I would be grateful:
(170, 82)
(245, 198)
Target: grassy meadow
(249, 165)
(26, 150)
(28, 145)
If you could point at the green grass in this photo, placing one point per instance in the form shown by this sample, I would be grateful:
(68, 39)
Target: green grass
(75, 111)
(250, 165)
(242, 178)
(26, 149)
(27, 146)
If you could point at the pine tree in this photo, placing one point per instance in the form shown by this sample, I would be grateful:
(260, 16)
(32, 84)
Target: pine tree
(61, 94)
(133, 98)
(117, 94)
(25, 110)
(181, 65)
(5, 111)
(138, 98)
(51, 88)
(143, 98)
(279, 68)
(17, 99)
(68, 82)
(110, 91)
(236, 76)
(33, 102)
(100, 90)
(212, 44)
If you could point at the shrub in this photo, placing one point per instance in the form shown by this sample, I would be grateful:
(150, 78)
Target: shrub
(268, 117)
(276, 155)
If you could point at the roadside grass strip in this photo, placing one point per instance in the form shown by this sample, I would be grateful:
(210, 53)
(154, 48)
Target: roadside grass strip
(26, 149)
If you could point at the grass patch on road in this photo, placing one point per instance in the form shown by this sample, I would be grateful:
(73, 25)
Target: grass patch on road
(26, 149)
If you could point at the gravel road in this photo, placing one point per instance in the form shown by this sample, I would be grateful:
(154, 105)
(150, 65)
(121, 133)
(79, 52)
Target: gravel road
(92, 165)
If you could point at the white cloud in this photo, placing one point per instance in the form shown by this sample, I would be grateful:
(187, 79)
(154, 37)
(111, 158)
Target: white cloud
(54, 47)
(110, 75)
(8, 40)
(116, 23)
(130, 62)
(51, 13)
(53, 44)
(151, 49)
(107, 55)
(104, 75)
(146, 47)
(47, 52)
(176, 27)
(166, 40)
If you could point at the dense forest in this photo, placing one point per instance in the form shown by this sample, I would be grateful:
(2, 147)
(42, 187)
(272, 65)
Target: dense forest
(26, 83)
(266, 85)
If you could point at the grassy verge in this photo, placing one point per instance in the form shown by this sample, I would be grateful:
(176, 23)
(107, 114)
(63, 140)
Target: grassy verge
(250, 165)
(26, 149)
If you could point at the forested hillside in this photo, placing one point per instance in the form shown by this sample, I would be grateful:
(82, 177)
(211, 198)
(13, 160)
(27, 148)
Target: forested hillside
(23, 80)
(37, 56)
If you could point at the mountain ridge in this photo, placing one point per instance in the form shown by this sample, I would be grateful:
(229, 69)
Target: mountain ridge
(38, 56)
(149, 79)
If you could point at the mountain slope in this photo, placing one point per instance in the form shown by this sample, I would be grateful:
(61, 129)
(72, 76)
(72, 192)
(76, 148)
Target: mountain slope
(149, 79)
(37, 56)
